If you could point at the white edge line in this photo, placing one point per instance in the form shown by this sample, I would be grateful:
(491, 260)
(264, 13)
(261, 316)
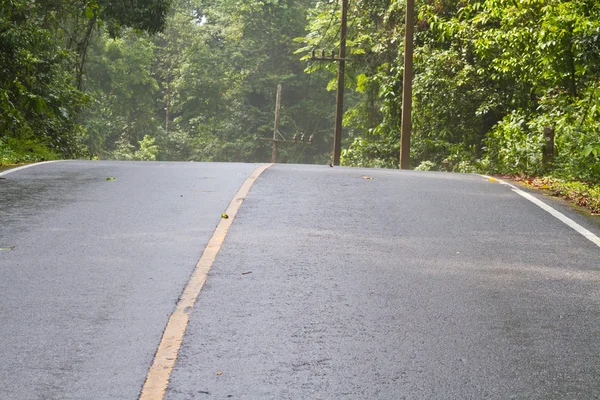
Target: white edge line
(27, 166)
(557, 214)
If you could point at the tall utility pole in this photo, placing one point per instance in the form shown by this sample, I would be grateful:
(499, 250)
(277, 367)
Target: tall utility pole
(339, 100)
(407, 86)
(278, 137)
(276, 129)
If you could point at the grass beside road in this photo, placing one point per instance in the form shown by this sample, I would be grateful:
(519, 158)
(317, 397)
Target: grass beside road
(4, 167)
(582, 194)
(15, 152)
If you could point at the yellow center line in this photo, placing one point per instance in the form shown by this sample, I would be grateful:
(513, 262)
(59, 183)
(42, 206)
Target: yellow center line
(159, 375)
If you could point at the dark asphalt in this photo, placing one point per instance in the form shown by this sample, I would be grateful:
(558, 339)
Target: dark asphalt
(409, 285)
(97, 268)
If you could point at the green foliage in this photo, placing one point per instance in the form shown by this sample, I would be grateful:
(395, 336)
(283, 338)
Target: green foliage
(582, 194)
(204, 88)
(426, 166)
(147, 150)
(43, 50)
(175, 146)
(490, 75)
(37, 95)
(14, 151)
(371, 153)
(542, 59)
(196, 80)
(124, 150)
(512, 147)
(141, 15)
(125, 89)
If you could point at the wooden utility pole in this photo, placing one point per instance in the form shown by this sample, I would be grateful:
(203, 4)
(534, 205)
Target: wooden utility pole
(276, 129)
(339, 99)
(548, 150)
(278, 137)
(407, 86)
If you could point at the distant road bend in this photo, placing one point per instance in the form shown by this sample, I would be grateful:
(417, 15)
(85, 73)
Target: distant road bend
(122, 280)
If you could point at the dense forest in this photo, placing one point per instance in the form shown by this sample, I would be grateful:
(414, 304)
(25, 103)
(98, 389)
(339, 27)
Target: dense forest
(195, 80)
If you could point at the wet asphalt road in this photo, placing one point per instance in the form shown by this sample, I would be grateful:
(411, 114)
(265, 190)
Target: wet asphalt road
(97, 268)
(408, 285)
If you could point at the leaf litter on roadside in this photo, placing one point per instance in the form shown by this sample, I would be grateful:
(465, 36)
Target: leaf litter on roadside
(7, 248)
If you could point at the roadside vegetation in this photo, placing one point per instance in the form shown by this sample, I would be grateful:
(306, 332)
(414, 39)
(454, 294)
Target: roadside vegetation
(164, 80)
(580, 193)
(196, 80)
(490, 76)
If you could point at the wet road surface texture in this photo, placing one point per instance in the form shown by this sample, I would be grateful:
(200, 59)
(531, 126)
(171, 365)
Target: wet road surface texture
(97, 267)
(329, 285)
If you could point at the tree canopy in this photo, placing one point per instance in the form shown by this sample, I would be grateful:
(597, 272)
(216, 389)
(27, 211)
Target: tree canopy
(196, 80)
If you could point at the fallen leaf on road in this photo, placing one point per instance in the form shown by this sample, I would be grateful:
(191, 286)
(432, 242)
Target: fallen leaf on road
(219, 373)
(224, 216)
(367, 178)
(111, 179)
(7, 248)
(493, 180)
